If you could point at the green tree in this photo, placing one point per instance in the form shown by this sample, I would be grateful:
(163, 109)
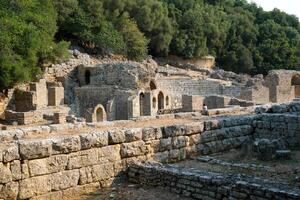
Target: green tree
(27, 29)
(136, 42)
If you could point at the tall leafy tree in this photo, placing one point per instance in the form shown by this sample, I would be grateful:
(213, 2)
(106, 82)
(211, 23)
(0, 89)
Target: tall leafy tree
(27, 29)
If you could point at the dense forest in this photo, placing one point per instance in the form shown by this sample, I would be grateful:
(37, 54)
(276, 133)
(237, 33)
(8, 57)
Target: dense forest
(241, 36)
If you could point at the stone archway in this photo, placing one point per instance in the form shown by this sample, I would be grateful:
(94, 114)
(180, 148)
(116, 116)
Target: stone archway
(87, 76)
(296, 83)
(99, 114)
(161, 101)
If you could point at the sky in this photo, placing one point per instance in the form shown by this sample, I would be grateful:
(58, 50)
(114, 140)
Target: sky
(288, 6)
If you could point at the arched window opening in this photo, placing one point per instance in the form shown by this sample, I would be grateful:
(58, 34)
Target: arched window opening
(161, 101)
(154, 103)
(87, 77)
(167, 101)
(142, 100)
(152, 85)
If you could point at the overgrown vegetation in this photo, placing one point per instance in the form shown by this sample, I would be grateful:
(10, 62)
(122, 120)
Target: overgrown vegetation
(242, 36)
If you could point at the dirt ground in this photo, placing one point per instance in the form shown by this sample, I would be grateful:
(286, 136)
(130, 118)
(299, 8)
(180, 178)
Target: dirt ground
(287, 171)
(128, 191)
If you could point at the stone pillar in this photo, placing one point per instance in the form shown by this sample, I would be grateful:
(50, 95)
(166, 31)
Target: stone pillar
(192, 103)
(55, 96)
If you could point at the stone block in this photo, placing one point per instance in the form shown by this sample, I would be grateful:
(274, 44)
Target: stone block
(132, 135)
(38, 167)
(166, 144)
(133, 149)
(174, 130)
(31, 149)
(49, 165)
(85, 175)
(108, 154)
(25, 169)
(174, 154)
(16, 170)
(195, 139)
(50, 196)
(9, 152)
(66, 144)
(116, 137)
(194, 128)
(64, 180)
(35, 186)
(9, 191)
(179, 142)
(149, 134)
(102, 172)
(162, 157)
(94, 140)
(154, 146)
(80, 190)
(5, 174)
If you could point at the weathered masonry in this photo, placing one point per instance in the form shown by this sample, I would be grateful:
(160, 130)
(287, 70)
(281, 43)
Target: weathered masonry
(203, 185)
(63, 166)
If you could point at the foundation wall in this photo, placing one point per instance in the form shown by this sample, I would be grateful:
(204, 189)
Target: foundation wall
(57, 167)
(203, 185)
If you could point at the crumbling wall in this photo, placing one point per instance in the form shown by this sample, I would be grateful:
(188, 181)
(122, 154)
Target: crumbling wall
(258, 95)
(197, 184)
(279, 84)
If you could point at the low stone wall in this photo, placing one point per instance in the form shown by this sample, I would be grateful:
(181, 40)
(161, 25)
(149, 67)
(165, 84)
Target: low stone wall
(204, 185)
(64, 165)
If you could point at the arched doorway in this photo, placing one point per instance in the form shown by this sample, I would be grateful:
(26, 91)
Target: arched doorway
(160, 101)
(99, 115)
(142, 103)
(152, 85)
(296, 83)
(87, 76)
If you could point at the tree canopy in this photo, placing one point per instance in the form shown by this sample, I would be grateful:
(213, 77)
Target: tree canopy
(242, 36)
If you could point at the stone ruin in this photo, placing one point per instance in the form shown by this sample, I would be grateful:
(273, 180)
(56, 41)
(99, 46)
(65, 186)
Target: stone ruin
(89, 123)
(123, 90)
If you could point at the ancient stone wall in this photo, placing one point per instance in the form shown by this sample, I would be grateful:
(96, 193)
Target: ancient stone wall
(279, 126)
(90, 96)
(60, 166)
(258, 95)
(204, 185)
(44, 168)
(189, 86)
